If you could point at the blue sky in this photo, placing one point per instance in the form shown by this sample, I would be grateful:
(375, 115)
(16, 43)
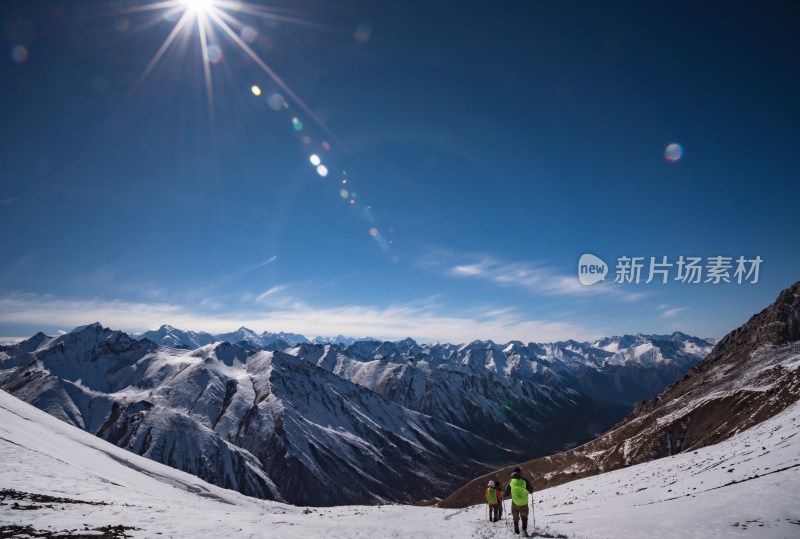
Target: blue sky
(489, 146)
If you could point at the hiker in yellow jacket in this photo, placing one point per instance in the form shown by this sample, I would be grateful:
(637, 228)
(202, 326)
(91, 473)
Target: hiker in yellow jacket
(519, 488)
(494, 498)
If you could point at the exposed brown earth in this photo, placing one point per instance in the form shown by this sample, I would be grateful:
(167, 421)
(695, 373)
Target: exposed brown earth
(27, 501)
(750, 375)
(103, 532)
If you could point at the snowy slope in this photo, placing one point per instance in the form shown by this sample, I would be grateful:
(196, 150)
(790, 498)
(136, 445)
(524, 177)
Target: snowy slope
(41, 455)
(744, 487)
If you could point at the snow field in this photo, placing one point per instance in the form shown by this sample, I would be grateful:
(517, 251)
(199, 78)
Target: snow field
(747, 486)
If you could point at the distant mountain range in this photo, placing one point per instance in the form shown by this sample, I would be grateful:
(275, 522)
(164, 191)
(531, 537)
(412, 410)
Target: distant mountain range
(383, 421)
(167, 335)
(641, 365)
(750, 376)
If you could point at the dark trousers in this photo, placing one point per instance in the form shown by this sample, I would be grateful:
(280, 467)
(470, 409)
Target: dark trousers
(494, 512)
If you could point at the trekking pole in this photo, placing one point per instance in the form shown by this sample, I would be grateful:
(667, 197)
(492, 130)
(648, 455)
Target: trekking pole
(505, 517)
(533, 514)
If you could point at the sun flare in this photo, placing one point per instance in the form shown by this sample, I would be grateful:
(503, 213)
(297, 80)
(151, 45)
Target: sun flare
(198, 6)
(214, 22)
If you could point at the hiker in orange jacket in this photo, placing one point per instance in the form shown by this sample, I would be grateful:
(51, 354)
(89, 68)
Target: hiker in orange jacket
(494, 498)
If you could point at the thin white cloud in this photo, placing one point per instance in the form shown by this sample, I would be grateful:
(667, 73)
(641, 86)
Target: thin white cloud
(12, 340)
(533, 277)
(471, 269)
(272, 291)
(227, 278)
(418, 321)
(268, 261)
(672, 312)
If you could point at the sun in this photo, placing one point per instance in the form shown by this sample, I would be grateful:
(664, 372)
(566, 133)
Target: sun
(198, 6)
(211, 20)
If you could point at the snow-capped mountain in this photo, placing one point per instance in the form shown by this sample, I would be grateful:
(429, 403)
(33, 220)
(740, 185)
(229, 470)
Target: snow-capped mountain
(388, 420)
(243, 335)
(339, 339)
(751, 375)
(268, 341)
(458, 388)
(266, 424)
(622, 369)
(293, 338)
(176, 338)
(535, 398)
(58, 481)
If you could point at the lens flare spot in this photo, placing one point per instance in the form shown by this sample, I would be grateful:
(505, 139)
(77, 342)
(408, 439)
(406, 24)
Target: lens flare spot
(326, 145)
(344, 181)
(373, 232)
(306, 140)
(248, 34)
(352, 201)
(122, 25)
(276, 102)
(343, 193)
(256, 90)
(363, 33)
(297, 124)
(19, 53)
(673, 152)
(322, 170)
(315, 160)
(213, 54)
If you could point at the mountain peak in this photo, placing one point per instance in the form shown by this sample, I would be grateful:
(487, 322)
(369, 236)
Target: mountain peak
(95, 326)
(777, 324)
